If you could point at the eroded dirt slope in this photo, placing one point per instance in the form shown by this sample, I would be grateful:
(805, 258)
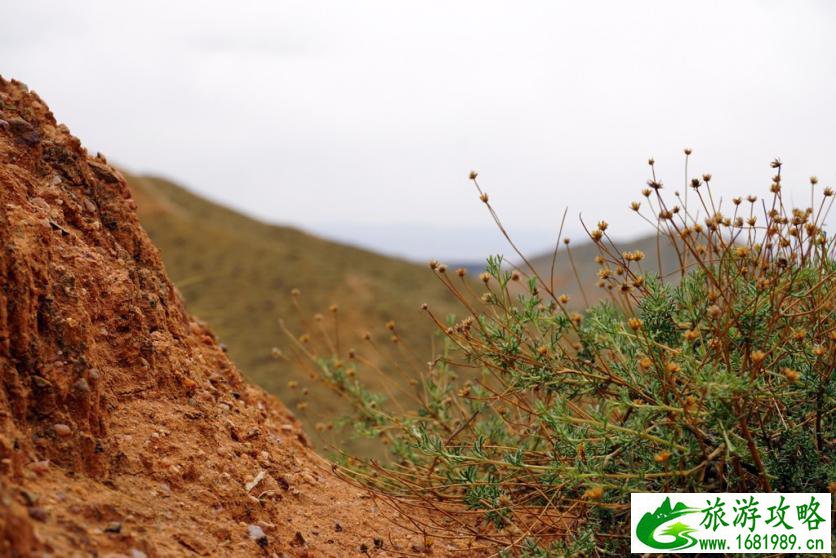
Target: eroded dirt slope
(124, 428)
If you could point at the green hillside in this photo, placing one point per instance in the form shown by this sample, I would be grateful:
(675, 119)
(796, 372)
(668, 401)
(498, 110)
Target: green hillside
(237, 274)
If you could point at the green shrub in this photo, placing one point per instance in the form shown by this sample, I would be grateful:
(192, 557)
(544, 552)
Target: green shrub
(536, 423)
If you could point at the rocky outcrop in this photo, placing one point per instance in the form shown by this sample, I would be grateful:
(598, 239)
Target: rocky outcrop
(124, 428)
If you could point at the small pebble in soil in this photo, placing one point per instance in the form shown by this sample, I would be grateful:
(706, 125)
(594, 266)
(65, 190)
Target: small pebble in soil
(38, 513)
(81, 387)
(338, 527)
(113, 527)
(257, 534)
(62, 430)
(39, 467)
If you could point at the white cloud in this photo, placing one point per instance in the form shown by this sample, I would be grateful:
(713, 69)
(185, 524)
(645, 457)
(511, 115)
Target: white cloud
(317, 113)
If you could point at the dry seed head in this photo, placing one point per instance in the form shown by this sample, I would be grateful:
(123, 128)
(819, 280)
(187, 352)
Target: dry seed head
(691, 335)
(276, 352)
(662, 457)
(645, 363)
(594, 493)
(333, 308)
(673, 367)
(695, 183)
(651, 161)
(317, 317)
(293, 384)
(737, 200)
(706, 177)
(473, 175)
(485, 277)
(818, 350)
(828, 192)
(295, 292)
(515, 275)
(791, 375)
(352, 353)
(599, 259)
(776, 163)
(367, 336)
(714, 311)
(433, 264)
(655, 184)
(304, 338)
(461, 272)
(563, 299)
(596, 235)
(484, 197)
(390, 325)
(567, 241)
(542, 350)
(688, 151)
(602, 225)
(757, 357)
(635, 205)
(634, 323)
(814, 180)
(442, 268)
(691, 404)
(424, 306)
(775, 188)
(646, 192)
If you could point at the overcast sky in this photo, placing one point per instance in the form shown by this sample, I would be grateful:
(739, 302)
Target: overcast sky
(361, 119)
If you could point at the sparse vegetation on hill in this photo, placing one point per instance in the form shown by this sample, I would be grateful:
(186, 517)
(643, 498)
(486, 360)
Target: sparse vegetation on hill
(239, 274)
(721, 380)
